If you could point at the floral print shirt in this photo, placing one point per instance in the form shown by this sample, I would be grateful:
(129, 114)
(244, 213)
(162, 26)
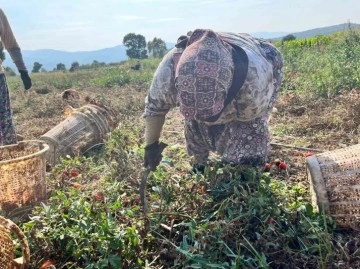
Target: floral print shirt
(253, 99)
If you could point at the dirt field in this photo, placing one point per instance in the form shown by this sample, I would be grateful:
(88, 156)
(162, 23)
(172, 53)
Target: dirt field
(300, 122)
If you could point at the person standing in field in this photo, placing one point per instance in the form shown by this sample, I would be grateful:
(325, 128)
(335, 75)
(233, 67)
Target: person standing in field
(226, 85)
(7, 127)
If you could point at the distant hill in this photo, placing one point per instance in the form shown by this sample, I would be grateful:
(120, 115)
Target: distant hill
(320, 31)
(50, 58)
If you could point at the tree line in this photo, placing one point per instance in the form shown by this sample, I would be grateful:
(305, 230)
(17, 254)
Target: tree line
(74, 66)
(137, 48)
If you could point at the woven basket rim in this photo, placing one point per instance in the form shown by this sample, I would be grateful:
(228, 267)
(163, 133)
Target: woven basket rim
(313, 167)
(24, 158)
(10, 226)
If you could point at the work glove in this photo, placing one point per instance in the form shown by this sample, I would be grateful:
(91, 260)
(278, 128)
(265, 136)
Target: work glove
(153, 155)
(26, 79)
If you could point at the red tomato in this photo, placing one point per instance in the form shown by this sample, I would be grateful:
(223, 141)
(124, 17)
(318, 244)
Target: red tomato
(271, 220)
(46, 264)
(74, 173)
(267, 167)
(282, 165)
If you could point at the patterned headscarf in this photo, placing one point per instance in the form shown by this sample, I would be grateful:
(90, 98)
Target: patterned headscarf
(204, 75)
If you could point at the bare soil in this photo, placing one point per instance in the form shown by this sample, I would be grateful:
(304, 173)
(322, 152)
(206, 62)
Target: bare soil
(316, 124)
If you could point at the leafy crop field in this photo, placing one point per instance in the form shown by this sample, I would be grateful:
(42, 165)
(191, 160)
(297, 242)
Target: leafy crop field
(230, 217)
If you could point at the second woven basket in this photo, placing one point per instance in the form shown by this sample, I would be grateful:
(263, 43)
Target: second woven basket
(7, 248)
(84, 128)
(335, 184)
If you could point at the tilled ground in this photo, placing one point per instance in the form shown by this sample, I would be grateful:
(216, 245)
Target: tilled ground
(300, 125)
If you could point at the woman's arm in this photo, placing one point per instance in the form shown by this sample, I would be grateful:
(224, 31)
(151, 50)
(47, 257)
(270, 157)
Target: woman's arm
(10, 43)
(162, 96)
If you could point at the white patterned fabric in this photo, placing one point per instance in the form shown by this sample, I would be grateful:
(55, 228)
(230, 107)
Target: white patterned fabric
(241, 133)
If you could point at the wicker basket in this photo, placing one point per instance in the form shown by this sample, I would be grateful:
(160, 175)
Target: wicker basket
(7, 247)
(335, 184)
(22, 174)
(84, 128)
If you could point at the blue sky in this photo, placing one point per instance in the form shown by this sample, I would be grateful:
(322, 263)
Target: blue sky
(82, 25)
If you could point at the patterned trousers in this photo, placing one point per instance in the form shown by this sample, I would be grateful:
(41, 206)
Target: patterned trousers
(238, 142)
(7, 128)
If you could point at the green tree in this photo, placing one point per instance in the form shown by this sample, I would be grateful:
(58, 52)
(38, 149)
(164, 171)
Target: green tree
(288, 38)
(97, 64)
(157, 47)
(2, 53)
(136, 45)
(36, 68)
(60, 67)
(74, 66)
